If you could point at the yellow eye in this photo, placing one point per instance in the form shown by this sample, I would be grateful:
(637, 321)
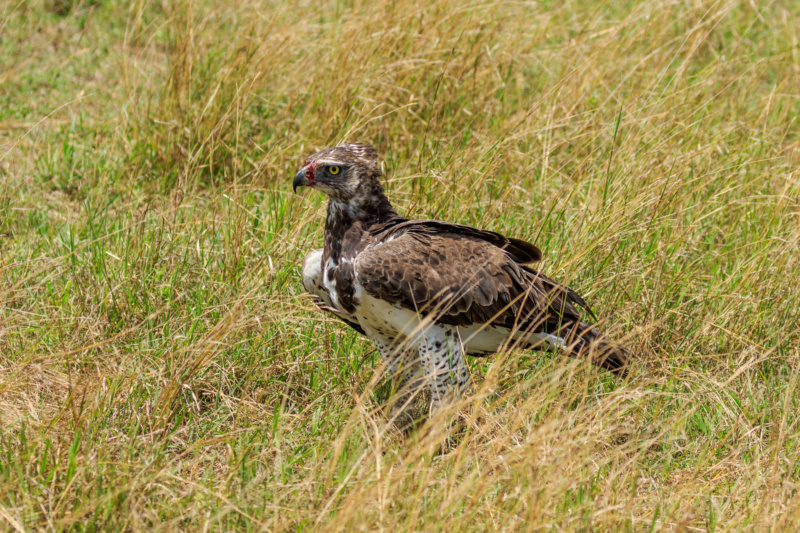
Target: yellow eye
(333, 170)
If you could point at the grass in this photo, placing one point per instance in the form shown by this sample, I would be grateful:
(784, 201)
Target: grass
(161, 369)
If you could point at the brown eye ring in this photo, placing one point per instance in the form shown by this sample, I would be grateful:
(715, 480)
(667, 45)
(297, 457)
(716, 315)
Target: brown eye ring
(334, 170)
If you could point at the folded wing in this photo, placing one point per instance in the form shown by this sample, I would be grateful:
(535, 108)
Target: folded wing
(463, 279)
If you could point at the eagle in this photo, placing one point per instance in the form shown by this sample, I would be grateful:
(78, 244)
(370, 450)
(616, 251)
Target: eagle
(429, 292)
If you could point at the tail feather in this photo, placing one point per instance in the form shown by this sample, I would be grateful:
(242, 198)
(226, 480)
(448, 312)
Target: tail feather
(582, 341)
(603, 352)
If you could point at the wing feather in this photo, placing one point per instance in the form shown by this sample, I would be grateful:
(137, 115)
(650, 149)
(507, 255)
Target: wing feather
(520, 251)
(462, 279)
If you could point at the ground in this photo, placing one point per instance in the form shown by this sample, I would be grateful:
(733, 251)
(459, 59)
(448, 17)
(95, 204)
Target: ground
(162, 369)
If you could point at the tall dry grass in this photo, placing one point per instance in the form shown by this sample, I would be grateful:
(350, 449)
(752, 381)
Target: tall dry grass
(160, 368)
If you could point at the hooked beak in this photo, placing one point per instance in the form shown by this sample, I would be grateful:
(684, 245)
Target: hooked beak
(301, 180)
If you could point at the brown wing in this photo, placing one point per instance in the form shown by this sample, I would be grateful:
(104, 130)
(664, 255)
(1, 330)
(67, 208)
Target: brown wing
(462, 280)
(520, 251)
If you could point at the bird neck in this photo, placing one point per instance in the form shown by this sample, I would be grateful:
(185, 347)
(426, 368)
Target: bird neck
(359, 214)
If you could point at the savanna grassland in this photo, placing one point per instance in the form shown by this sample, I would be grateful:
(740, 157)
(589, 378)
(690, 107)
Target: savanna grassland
(162, 370)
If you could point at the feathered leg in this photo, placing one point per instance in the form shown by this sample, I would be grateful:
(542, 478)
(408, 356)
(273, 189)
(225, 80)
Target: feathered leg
(441, 358)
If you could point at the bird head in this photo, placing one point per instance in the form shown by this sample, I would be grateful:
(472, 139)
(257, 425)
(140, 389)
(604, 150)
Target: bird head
(348, 173)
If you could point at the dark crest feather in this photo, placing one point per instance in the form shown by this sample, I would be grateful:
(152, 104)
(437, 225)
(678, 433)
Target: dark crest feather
(351, 153)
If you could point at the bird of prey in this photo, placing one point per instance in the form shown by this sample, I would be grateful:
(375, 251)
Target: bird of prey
(428, 292)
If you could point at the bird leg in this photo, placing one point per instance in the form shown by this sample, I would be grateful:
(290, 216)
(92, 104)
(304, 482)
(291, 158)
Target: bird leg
(441, 356)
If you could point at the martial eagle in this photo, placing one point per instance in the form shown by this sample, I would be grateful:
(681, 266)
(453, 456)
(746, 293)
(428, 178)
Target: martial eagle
(427, 292)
